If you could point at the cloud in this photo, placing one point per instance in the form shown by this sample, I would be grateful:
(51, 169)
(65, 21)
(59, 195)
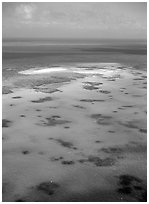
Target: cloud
(25, 11)
(79, 17)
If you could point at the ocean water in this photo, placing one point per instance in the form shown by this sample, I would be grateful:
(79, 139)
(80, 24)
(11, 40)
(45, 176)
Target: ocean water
(22, 54)
(74, 120)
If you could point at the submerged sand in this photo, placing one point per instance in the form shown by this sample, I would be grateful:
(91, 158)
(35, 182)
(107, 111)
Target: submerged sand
(77, 134)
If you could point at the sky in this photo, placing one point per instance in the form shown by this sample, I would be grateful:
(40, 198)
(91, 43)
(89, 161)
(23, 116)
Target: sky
(74, 20)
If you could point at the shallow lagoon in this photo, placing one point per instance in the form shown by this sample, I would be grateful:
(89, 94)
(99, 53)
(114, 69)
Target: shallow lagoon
(77, 143)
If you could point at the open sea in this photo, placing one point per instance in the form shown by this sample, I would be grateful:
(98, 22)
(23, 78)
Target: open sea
(22, 54)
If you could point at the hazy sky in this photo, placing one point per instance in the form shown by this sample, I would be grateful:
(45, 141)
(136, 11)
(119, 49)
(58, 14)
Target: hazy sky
(75, 20)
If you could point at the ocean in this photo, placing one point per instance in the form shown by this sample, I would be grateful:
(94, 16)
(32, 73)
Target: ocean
(74, 120)
(22, 54)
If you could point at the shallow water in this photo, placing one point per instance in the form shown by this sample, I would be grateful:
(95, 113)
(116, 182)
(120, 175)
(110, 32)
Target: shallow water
(79, 145)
